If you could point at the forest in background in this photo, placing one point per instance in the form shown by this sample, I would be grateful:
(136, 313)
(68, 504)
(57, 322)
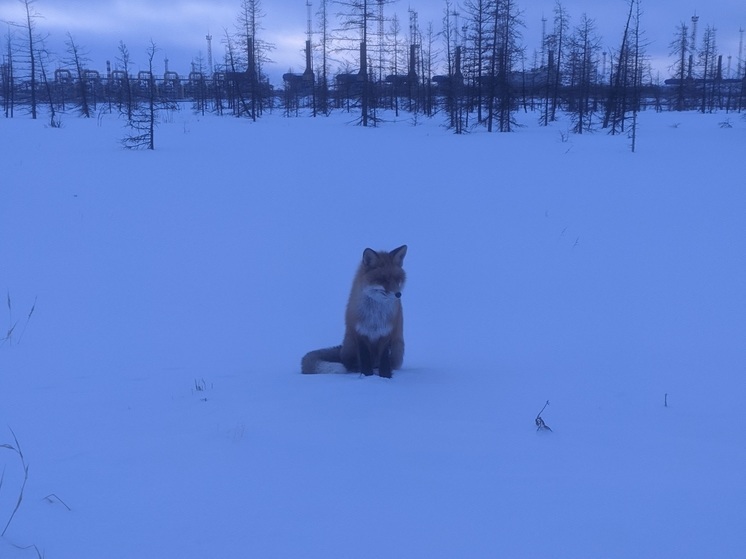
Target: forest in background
(471, 67)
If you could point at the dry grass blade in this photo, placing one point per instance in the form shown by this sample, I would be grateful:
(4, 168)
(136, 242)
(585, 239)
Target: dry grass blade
(28, 318)
(39, 554)
(9, 334)
(540, 425)
(52, 498)
(17, 450)
(12, 328)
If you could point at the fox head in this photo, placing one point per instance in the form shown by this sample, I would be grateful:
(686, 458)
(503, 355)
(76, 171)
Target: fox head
(382, 272)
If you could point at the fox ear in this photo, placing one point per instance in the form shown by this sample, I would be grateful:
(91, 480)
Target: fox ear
(370, 257)
(398, 254)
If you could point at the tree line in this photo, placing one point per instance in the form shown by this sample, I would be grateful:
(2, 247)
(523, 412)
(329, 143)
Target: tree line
(473, 69)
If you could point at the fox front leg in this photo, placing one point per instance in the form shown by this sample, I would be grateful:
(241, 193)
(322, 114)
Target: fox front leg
(384, 364)
(365, 359)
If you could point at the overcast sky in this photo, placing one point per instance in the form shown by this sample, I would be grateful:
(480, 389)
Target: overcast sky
(179, 27)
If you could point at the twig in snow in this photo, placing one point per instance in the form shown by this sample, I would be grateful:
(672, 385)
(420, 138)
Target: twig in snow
(39, 554)
(52, 498)
(28, 318)
(17, 450)
(12, 324)
(540, 425)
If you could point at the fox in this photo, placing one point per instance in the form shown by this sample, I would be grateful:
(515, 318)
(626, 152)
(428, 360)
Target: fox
(374, 321)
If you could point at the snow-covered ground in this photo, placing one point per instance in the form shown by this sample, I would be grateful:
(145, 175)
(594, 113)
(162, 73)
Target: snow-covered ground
(155, 389)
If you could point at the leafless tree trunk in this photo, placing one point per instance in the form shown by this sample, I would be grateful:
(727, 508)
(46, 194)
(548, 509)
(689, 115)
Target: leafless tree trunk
(54, 122)
(509, 22)
(30, 27)
(356, 16)
(561, 27)
(255, 54)
(9, 79)
(479, 13)
(679, 47)
(77, 60)
(707, 56)
(453, 83)
(618, 97)
(125, 99)
(582, 68)
(145, 115)
(322, 99)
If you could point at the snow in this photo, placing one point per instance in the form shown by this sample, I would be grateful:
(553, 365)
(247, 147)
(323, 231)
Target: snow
(155, 389)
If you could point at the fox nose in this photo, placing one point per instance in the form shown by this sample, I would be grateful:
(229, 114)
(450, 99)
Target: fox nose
(398, 294)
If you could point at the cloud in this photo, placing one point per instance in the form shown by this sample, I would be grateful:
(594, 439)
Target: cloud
(126, 17)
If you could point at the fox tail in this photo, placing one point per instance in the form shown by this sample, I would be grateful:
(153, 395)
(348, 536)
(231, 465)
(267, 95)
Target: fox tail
(328, 360)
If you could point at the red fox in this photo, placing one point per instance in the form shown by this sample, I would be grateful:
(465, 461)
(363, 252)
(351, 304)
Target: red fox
(374, 337)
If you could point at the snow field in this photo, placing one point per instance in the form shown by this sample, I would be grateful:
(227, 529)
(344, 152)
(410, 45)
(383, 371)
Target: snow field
(156, 390)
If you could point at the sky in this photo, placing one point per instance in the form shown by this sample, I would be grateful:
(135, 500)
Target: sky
(179, 27)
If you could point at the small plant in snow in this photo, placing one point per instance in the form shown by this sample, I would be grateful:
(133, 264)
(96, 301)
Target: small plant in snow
(144, 116)
(725, 124)
(540, 425)
(200, 385)
(52, 498)
(12, 324)
(16, 448)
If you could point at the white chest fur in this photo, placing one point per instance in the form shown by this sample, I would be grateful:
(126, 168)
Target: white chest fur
(376, 310)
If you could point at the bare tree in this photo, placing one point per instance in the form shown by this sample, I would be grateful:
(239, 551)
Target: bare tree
(145, 116)
(710, 78)
(555, 45)
(77, 59)
(679, 48)
(32, 38)
(415, 63)
(237, 82)
(479, 15)
(452, 83)
(8, 77)
(429, 56)
(43, 58)
(637, 64)
(123, 83)
(506, 50)
(356, 18)
(623, 75)
(198, 85)
(322, 98)
(582, 66)
(397, 62)
(254, 53)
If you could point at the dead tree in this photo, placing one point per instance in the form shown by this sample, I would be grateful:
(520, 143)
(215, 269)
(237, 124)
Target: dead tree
(77, 59)
(32, 49)
(321, 100)
(145, 116)
(356, 17)
(679, 48)
(582, 69)
(622, 77)
(253, 54)
(123, 83)
(8, 78)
